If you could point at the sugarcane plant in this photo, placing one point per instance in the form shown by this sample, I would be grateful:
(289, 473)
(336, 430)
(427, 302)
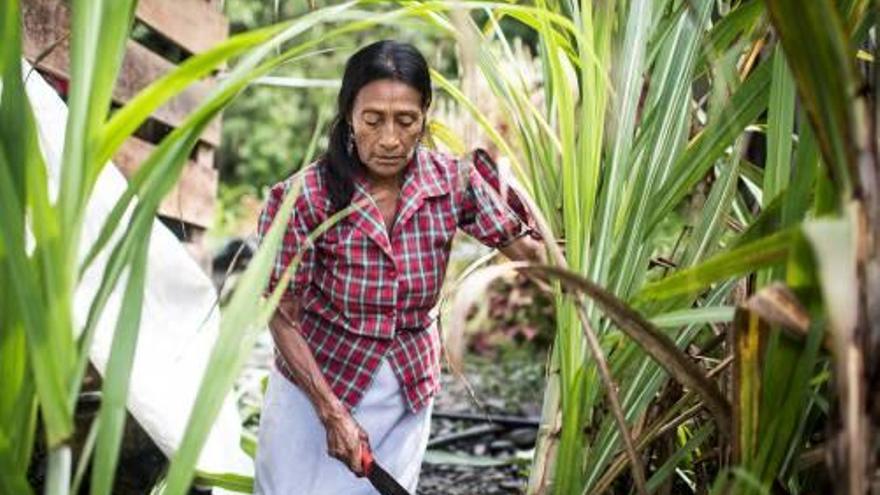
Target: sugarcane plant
(711, 164)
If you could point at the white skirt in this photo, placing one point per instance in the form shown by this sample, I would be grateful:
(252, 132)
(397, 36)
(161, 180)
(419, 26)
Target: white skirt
(292, 447)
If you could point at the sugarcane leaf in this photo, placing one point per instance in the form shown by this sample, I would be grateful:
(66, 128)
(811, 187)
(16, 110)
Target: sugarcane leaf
(833, 241)
(236, 337)
(651, 339)
(624, 115)
(743, 259)
(748, 332)
(99, 32)
(788, 368)
(442, 133)
(456, 93)
(815, 43)
(19, 161)
(445, 457)
(695, 316)
(739, 22)
(806, 167)
(780, 125)
(128, 118)
(749, 101)
(664, 130)
(670, 465)
(227, 481)
(112, 415)
(12, 476)
(711, 224)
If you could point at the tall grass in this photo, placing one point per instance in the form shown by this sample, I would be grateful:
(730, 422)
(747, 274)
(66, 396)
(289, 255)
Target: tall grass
(645, 104)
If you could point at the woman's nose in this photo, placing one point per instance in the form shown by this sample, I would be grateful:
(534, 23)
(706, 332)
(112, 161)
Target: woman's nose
(389, 139)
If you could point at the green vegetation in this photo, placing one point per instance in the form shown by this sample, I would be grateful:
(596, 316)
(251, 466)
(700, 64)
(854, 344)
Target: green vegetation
(694, 155)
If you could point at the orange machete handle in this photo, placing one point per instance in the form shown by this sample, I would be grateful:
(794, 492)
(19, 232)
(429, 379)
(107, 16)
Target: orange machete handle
(366, 458)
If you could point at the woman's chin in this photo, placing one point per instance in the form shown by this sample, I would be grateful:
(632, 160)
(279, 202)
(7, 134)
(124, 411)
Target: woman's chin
(386, 170)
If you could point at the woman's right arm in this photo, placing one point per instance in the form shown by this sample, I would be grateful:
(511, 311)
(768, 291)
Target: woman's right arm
(344, 435)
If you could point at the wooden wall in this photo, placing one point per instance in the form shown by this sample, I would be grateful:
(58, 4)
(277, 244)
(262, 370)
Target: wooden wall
(182, 27)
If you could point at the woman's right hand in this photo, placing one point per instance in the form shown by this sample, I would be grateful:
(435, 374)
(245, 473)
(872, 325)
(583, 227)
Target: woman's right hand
(344, 438)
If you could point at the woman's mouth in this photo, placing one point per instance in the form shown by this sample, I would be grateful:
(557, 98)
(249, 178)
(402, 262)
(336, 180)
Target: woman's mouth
(388, 160)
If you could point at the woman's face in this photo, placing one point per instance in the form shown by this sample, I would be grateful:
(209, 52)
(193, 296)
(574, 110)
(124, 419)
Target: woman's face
(387, 119)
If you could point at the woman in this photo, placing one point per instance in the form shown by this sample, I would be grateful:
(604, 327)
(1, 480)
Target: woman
(357, 356)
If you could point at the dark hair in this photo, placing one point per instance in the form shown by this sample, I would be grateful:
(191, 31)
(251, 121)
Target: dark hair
(380, 60)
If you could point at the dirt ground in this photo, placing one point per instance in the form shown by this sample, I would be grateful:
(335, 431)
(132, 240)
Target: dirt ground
(508, 386)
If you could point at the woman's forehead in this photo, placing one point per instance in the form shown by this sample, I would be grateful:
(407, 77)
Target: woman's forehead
(388, 95)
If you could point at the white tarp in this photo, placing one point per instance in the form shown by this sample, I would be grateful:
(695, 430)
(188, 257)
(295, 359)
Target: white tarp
(178, 326)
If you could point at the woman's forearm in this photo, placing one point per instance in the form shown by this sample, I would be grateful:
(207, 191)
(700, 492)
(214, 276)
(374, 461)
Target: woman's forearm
(305, 371)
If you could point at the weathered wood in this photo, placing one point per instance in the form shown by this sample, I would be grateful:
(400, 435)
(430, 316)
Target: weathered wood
(193, 198)
(175, 20)
(205, 155)
(48, 21)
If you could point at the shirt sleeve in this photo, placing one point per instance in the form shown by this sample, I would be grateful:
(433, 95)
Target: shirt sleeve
(303, 220)
(484, 213)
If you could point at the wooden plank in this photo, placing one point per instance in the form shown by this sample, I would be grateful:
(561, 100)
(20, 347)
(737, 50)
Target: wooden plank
(205, 155)
(140, 67)
(175, 20)
(193, 198)
(48, 21)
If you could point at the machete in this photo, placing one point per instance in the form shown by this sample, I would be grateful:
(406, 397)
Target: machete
(378, 476)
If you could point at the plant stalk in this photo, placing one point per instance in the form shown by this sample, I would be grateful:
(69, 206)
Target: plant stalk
(58, 471)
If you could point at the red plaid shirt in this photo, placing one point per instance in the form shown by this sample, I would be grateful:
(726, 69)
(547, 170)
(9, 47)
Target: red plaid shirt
(366, 294)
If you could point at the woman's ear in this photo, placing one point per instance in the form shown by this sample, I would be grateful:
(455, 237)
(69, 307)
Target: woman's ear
(425, 136)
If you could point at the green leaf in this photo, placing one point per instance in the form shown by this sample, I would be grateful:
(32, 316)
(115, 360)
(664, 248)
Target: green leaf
(815, 43)
(445, 457)
(780, 125)
(111, 417)
(670, 465)
(711, 224)
(227, 481)
(696, 316)
(99, 32)
(128, 118)
(624, 115)
(738, 23)
(12, 475)
(749, 101)
(46, 329)
(744, 259)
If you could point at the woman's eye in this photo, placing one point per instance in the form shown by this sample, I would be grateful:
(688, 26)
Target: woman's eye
(406, 121)
(371, 120)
